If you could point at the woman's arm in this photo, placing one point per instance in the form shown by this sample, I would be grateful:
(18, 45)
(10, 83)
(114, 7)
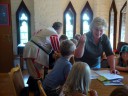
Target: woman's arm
(80, 49)
(111, 62)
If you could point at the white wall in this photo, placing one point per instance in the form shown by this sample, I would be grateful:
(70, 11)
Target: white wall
(45, 12)
(14, 6)
(53, 11)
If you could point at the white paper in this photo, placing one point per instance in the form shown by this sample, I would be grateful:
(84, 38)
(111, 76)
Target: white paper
(94, 75)
(108, 75)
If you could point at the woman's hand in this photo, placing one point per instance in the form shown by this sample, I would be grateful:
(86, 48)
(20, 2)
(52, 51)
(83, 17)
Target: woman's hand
(82, 39)
(114, 71)
(80, 48)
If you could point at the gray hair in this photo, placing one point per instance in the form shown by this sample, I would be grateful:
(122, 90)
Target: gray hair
(78, 79)
(98, 23)
(67, 47)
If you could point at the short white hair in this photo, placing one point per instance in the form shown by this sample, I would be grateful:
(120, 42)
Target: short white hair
(99, 23)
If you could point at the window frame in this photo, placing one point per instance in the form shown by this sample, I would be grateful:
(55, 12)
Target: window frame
(87, 6)
(113, 6)
(120, 23)
(70, 6)
(22, 5)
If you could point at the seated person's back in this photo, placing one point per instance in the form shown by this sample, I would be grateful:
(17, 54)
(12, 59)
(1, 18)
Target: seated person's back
(59, 73)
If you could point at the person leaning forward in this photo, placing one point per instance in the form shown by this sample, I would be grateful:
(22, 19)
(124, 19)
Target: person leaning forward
(36, 52)
(96, 43)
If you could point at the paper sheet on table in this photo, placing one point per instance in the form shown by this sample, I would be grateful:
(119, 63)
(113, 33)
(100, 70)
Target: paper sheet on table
(108, 75)
(110, 83)
(94, 75)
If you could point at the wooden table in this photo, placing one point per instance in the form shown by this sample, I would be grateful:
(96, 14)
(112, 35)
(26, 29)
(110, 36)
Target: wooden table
(103, 90)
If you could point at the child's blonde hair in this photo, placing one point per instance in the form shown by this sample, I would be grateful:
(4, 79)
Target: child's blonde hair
(78, 79)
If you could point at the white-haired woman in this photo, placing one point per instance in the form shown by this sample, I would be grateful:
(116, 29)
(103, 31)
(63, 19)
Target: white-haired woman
(78, 81)
(97, 43)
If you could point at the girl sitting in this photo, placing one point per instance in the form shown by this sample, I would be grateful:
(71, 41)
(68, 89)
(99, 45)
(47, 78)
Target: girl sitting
(122, 62)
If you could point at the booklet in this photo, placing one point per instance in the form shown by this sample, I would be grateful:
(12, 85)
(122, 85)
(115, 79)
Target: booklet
(112, 83)
(108, 75)
(108, 78)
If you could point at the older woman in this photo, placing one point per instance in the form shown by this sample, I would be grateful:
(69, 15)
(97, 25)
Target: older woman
(97, 43)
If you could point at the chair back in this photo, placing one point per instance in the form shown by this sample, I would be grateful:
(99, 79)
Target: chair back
(6, 85)
(17, 78)
(42, 92)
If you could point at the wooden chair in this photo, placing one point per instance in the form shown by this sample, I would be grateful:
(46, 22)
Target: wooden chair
(17, 78)
(6, 85)
(42, 92)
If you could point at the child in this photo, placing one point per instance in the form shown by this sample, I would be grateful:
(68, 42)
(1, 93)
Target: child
(120, 91)
(122, 62)
(63, 37)
(59, 73)
(78, 81)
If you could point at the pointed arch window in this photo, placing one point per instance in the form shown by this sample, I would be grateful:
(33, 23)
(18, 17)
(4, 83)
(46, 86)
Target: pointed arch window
(86, 18)
(122, 23)
(69, 21)
(112, 24)
(23, 25)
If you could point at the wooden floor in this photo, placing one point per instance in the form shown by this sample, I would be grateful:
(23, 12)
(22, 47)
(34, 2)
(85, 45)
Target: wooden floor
(25, 76)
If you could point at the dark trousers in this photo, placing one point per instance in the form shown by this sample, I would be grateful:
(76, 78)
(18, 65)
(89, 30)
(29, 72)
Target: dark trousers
(52, 92)
(33, 86)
